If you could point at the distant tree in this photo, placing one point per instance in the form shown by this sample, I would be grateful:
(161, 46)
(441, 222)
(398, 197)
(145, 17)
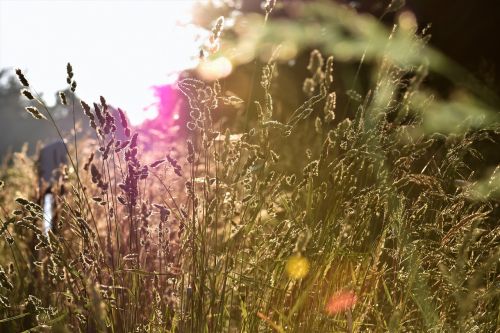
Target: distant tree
(18, 127)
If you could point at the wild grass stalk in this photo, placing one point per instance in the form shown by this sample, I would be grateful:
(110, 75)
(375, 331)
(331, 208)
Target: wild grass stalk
(303, 220)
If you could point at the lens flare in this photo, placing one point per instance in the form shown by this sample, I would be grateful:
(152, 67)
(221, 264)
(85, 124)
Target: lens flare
(341, 301)
(297, 267)
(215, 69)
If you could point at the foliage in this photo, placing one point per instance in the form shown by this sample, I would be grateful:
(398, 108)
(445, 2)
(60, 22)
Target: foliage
(299, 221)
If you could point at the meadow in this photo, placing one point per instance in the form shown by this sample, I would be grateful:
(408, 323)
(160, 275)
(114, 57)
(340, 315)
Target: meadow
(361, 208)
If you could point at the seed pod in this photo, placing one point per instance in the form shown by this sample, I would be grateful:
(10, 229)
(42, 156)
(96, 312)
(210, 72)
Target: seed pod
(175, 165)
(69, 71)
(27, 94)
(315, 62)
(329, 71)
(96, 176)
(330, 105)
(62, 97)
(318, 125)
(103, 102)
(99, 115)
(308, 87)
(22, 78)
(34, 112)
(133, 141)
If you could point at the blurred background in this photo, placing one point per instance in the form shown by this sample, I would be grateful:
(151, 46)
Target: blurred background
(132, 52)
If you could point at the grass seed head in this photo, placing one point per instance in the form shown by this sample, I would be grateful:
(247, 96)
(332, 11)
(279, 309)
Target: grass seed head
(103, 102)
(62, 97)
(35, 113)
(27, 94)
(69, 71)
(315, 62)
(22, 78)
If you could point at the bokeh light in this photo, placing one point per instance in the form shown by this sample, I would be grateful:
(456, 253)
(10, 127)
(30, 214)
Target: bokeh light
(297, 267)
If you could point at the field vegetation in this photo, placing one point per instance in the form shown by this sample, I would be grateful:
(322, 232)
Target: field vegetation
(364, 207)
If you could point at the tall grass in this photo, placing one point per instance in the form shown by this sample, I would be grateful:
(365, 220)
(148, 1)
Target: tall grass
(300, 221)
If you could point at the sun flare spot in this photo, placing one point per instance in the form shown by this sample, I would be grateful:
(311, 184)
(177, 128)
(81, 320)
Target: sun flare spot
(215, 69)
(297, 267)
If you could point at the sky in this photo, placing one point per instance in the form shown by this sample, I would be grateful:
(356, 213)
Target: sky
(118, 49)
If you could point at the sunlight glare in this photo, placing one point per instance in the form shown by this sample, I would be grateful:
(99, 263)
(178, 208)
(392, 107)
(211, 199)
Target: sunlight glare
(118, 51)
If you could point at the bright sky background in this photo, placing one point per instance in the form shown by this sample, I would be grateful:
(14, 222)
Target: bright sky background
(118, 49)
